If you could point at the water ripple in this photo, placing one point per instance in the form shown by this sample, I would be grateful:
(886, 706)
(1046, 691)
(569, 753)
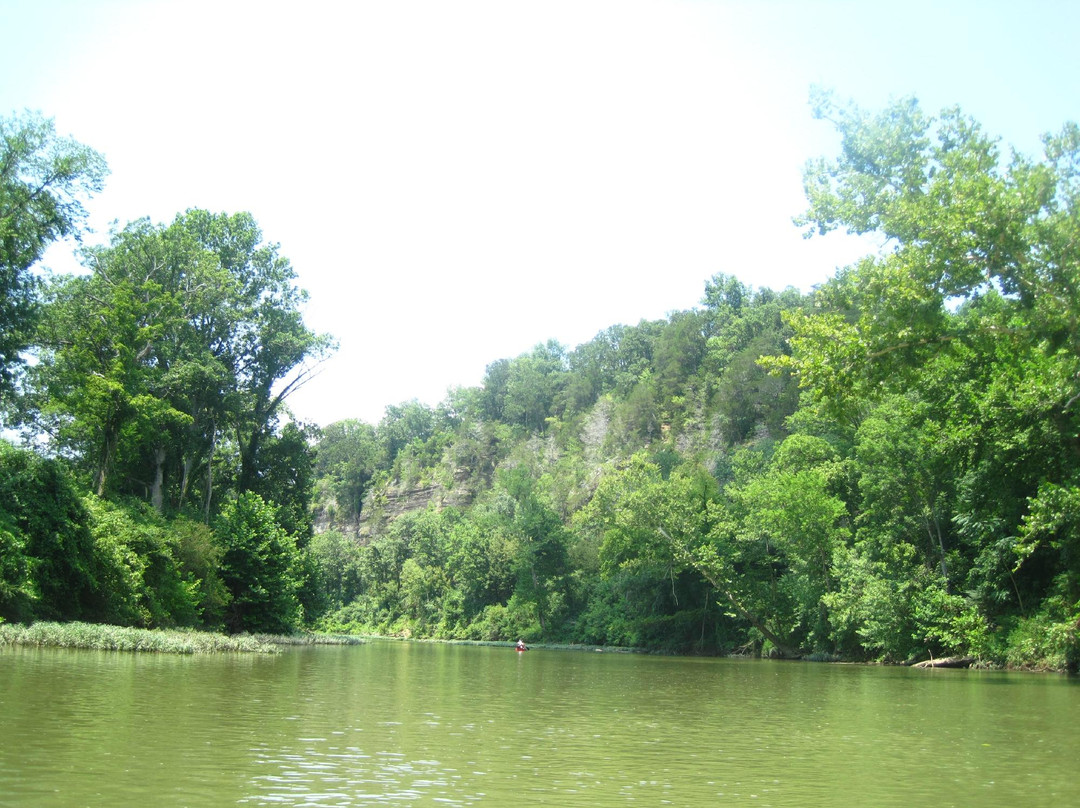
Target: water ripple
(394, 724)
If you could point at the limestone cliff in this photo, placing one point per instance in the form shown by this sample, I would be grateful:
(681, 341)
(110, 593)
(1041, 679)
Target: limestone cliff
(383, 504)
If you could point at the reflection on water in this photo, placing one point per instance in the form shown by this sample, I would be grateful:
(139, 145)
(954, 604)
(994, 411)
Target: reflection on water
(424, 724)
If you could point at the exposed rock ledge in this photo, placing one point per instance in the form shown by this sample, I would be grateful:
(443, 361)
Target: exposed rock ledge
(383, 506)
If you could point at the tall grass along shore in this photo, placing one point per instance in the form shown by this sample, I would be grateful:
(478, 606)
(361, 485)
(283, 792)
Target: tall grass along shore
(121, 638)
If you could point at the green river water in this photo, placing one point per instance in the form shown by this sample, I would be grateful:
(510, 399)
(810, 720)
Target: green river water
(391, 723)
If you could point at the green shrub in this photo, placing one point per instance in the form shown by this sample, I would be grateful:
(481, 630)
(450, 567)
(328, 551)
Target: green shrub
(1047, 641)
(259, 567)
(46, 550)
(137, 567)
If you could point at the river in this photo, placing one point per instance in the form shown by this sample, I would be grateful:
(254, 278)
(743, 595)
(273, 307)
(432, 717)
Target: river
(394, 723)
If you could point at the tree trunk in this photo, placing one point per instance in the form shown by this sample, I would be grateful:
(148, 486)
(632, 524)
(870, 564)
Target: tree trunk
(933, 528)
(704, 614)
(185, 478)
(157, 496)
(107, 451)
(787, 651)
(539, 604)
(209, 476)
(946, 662)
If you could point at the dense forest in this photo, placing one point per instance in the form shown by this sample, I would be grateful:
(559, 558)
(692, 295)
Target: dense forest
(886, 468)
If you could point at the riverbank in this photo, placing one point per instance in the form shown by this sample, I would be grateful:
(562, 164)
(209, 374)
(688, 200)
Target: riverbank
(953, 662)
(533, 646)
(165, 641)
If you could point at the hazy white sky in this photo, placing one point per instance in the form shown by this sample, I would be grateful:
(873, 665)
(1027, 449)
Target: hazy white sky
(455, 182)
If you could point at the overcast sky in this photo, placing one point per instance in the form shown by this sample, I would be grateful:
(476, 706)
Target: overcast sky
(455, 182)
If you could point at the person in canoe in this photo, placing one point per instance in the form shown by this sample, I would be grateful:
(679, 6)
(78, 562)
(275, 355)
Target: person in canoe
(521, 646)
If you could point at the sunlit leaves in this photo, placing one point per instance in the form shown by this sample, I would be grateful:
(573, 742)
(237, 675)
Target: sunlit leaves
(44, 181)
(1053, 519)
(179, 338)
(958, 223)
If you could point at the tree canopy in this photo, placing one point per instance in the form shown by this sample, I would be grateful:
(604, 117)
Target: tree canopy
(45, 179)
(886, 468)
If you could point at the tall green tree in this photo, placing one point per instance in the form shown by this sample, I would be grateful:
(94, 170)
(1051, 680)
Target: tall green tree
(656, 543)
(411, 422)
(541, 557)
(961, 225)
(532, 385)
(744, 326)
(786, 525)
(954, 355)
(181, 340)
(45, 179)
(258, 331)
(100, 378)
(348, 457)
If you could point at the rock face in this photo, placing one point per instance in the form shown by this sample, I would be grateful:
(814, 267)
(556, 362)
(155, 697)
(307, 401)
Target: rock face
(385, 504)
(326, 518)
(468, 467)
(382, 507)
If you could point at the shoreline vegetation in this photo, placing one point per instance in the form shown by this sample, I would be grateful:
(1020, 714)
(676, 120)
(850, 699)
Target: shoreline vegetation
(934, 663)
(102, 637)
(885, 469)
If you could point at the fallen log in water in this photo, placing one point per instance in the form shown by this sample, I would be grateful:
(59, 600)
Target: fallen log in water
(946, 662)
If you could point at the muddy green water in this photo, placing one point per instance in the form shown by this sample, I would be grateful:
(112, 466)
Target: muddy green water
(392, 723)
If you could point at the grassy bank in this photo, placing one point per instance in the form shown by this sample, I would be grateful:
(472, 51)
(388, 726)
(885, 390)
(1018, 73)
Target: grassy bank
(120, 638)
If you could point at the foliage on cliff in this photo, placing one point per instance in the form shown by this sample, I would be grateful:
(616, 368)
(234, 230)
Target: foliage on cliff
(886, 468)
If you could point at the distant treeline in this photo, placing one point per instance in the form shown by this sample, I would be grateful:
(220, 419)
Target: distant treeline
(883, 469)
